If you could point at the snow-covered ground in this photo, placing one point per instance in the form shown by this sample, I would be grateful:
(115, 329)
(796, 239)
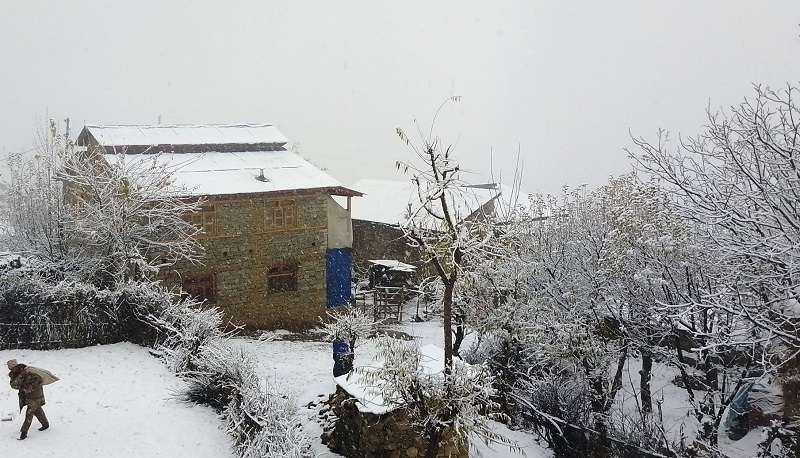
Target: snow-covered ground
(112, 401)
(305, 369)
(118, 400)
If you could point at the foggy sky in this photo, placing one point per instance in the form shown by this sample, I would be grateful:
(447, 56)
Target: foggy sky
(560, 82)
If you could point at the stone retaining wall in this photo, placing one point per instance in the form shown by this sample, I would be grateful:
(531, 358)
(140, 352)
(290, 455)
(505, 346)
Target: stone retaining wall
(357, 434)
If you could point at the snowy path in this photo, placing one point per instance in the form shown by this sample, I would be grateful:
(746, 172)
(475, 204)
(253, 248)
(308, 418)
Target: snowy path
(112, 401)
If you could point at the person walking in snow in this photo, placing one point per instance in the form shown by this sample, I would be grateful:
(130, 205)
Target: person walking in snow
(29, 381)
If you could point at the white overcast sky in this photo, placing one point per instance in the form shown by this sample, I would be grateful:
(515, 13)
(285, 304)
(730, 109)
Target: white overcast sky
(562, 82)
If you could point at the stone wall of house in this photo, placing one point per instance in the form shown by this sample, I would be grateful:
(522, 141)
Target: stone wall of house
(382, 241)
(242, 250)
(356, 434)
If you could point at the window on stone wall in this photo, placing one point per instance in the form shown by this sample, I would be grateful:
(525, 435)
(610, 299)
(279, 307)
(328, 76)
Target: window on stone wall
(200, 287)
(204, 219)
(282, 278)
(281, 215)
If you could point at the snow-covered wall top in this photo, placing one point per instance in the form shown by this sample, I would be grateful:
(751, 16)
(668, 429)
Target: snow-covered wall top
(369, 395)
(216, 134)
(215, 173)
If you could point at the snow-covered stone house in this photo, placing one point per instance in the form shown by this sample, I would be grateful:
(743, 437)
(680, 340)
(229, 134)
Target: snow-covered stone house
(277, 245)
(385, 205)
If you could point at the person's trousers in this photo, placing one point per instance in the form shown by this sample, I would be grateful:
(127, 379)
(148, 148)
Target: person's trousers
(33, 410)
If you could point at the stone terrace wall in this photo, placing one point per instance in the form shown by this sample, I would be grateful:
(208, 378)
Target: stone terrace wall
(242, 250)
(363, 435)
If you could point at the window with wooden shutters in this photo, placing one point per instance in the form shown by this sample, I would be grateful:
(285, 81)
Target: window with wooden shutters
(204, 219)
(281, 215)
(200, 287)
(282, 278)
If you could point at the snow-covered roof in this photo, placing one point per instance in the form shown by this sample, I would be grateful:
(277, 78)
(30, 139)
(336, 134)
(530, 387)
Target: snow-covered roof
(184, 134)
(215, 173)
(388, 201)
(394, 265)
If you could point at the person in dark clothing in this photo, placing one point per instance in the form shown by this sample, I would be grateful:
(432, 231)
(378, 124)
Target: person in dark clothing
(29, 382)
(342, 357)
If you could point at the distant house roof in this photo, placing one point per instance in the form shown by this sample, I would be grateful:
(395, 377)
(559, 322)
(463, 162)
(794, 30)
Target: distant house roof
(389, 201)
(224, 159)
(182, 134)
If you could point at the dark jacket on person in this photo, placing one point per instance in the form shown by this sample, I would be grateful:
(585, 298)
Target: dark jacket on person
(29, 385)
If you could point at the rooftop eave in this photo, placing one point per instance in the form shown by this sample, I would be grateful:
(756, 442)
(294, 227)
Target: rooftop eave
(329, 190)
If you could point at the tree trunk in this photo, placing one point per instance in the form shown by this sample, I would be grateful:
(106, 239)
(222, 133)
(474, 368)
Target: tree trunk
(435, 438)
(447, 312)
(644, 381)
(458, 339)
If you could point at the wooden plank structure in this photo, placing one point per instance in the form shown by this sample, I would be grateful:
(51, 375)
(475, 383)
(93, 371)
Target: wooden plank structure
(387, 303)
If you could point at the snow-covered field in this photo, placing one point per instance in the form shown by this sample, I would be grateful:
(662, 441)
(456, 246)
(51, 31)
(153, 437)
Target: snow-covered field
(112, 401)
(118, 400)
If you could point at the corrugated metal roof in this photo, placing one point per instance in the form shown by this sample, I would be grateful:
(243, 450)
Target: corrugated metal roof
(185, 134)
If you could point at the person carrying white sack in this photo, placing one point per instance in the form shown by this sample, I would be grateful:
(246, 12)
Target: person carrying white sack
(29, 380)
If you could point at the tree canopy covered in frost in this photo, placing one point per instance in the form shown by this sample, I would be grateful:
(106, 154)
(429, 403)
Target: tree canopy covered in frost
(105, 222)
(738, 182)
(690, 262)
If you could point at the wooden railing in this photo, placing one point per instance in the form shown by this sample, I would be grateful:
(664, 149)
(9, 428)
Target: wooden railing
(386, 303)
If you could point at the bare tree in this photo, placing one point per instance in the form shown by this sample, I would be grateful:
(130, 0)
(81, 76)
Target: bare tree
(35, 207)
(106, 218)
(739, 182)
(738, 185)
(127, 213)
(437, 223)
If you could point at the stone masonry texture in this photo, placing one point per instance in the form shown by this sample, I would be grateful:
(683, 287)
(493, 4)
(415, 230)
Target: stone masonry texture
(242, 250)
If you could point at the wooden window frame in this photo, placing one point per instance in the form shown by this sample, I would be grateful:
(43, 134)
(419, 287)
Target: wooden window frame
(282, 278)
(204, 219)
(200, 286)
(281, 215)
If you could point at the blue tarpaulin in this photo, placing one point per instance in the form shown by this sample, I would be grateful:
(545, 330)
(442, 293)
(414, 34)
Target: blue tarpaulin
(338, 265)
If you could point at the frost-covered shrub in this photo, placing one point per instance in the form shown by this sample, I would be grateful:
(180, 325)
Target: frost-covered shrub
(438, 404)
(177, 327)
(349, 323)
(264, 423)
(191, 342)
(219, 377)
(45, 311)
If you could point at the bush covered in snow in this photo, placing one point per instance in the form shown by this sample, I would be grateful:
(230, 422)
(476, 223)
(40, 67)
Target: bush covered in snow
(349, 323)
(441, 402)
(191, 341)
(39, 311)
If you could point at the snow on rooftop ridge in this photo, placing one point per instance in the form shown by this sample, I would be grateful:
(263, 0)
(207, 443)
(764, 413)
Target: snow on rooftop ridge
(215, 173)
(183, 134)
